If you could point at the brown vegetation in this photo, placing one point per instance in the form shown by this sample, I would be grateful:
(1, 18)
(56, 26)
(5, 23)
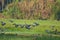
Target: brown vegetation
(2, 16)
(34, 9)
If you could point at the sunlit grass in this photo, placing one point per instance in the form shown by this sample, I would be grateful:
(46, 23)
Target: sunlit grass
(43, 25)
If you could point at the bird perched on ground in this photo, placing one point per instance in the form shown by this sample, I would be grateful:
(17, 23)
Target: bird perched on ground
(27, 26)
(11, 21)
(52, 27)
(35, 24)
(16, 25)
(3, 23)
(22, 26)
(47, 31)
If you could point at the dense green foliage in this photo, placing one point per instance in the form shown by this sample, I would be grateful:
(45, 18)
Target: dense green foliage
(56, 10)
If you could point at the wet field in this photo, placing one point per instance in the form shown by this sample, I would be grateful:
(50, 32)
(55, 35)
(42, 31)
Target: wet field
(22, 37)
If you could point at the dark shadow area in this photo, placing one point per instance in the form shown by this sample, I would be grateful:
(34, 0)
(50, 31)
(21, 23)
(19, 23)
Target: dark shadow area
(0, 6)
(6, 2)
(58, 15)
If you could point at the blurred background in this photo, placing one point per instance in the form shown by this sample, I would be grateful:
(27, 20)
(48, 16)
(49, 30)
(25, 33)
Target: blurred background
(30, 9)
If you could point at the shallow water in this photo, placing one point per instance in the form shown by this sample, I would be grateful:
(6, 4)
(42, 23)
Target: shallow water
(17, 37)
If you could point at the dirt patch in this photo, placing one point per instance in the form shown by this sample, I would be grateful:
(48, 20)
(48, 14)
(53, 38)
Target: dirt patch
(1, 15)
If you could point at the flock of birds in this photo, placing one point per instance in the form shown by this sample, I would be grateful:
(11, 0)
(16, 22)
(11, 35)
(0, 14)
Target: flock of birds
(53, 30)
(27, 26)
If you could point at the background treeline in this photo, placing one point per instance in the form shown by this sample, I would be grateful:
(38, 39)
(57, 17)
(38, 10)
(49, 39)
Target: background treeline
(33, 9)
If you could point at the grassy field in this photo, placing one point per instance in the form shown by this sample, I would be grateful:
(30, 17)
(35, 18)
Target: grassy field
(44, 25)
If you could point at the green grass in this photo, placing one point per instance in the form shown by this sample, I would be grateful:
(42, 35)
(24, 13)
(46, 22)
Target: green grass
(10, 30)
(44, 25)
